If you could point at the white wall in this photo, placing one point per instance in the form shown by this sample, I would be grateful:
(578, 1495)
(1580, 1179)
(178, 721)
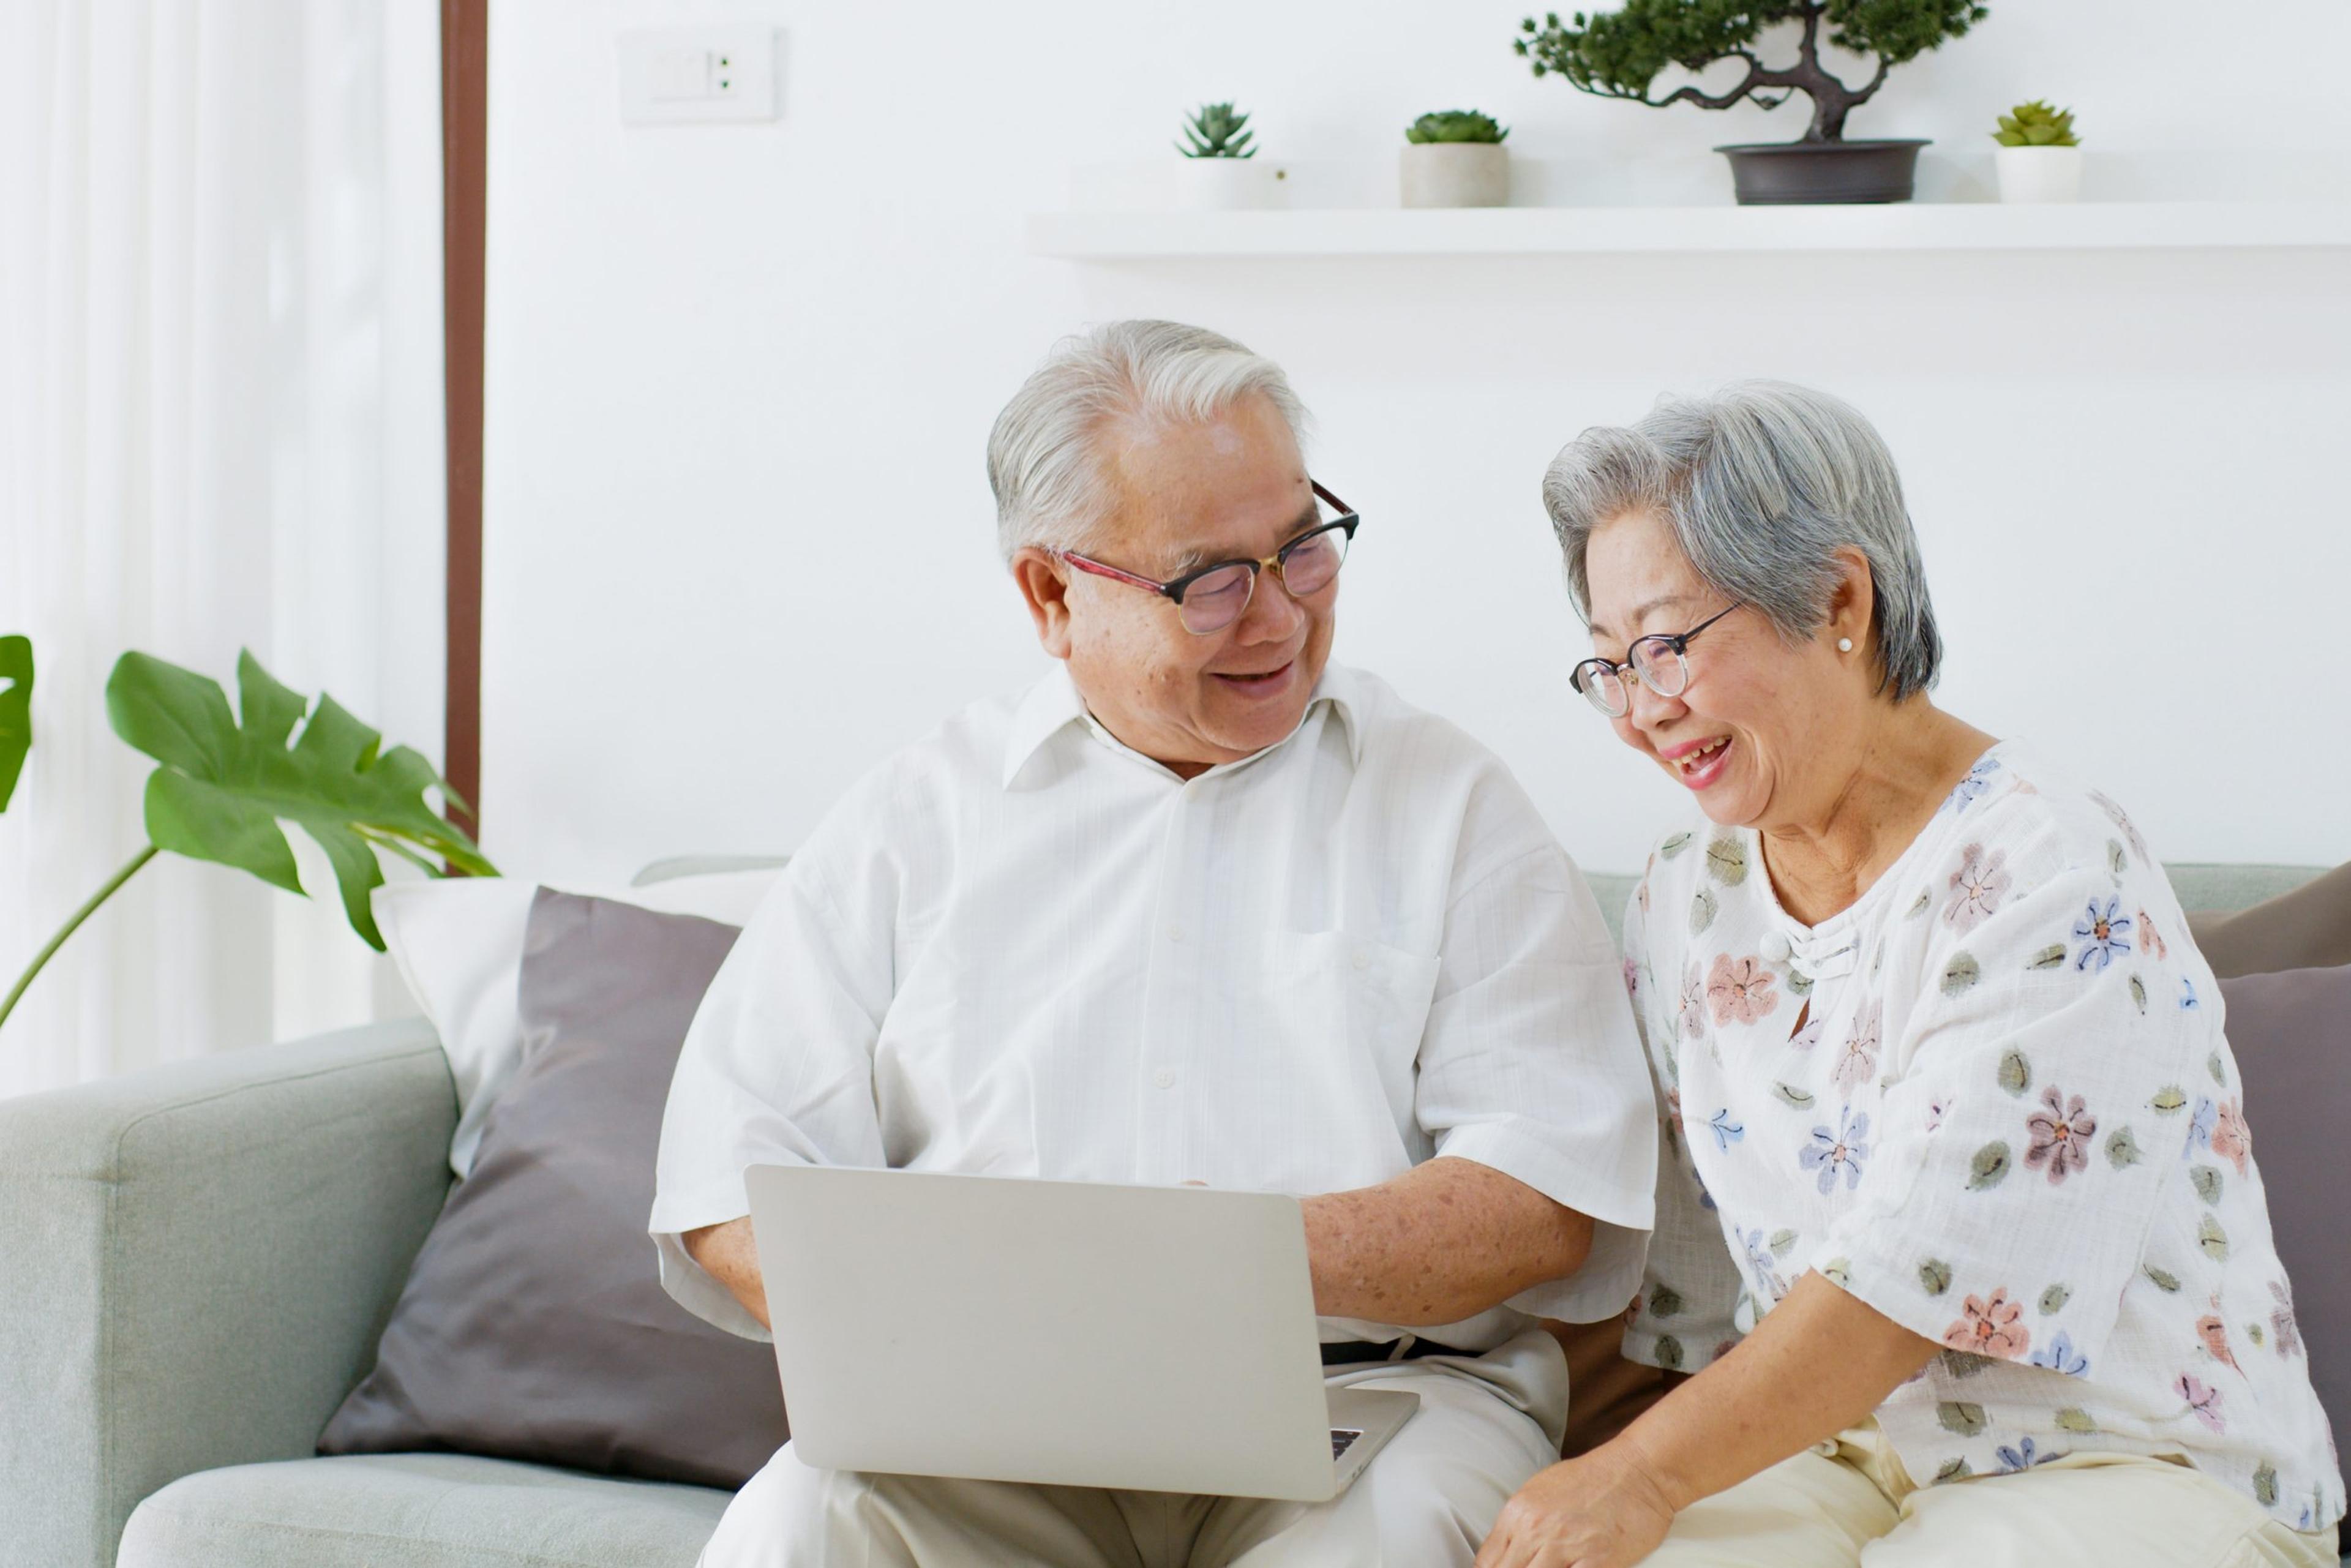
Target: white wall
(739, 539)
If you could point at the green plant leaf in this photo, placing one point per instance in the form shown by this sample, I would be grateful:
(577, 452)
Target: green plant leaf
(2073, 1418)
(1967, 1420)
(16, 711)
(223, 788)
(2207, 1182)
(2122, 1149)
(1934, 1276)
(1990, 1168)
(2015, 1072)
(2054, 1298)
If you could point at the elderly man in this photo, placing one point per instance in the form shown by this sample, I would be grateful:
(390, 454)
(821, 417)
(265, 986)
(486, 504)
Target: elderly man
(1195, 907)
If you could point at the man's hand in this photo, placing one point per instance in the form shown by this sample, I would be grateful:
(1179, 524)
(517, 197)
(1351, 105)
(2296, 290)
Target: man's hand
(1444, 1241)
(1602, 1510)
(727, 1253)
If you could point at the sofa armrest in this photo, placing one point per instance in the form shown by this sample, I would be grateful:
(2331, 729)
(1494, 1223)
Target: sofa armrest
(195, 1264)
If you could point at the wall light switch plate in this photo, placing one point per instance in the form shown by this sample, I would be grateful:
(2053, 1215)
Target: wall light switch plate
(697, 76)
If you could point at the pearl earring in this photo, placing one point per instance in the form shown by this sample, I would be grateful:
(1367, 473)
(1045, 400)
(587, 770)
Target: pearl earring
(1845, 644)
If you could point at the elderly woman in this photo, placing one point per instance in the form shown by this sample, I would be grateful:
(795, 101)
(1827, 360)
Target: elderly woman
(1960, 1228)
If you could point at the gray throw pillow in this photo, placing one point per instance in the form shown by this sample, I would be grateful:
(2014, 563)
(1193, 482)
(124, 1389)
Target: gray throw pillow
(533, 1326)
(2292, 1036)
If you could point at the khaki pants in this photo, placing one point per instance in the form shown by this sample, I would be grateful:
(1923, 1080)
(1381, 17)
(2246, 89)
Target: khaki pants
(1854, 1506)
(1426, 1500)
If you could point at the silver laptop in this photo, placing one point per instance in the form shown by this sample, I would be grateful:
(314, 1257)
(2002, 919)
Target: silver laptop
(1156, 1339)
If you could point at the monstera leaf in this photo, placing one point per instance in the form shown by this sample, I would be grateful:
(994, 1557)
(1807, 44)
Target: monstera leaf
(224, 785)
(16, 711)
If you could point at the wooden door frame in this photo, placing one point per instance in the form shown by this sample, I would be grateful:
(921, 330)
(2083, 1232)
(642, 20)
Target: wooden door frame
(465, 172)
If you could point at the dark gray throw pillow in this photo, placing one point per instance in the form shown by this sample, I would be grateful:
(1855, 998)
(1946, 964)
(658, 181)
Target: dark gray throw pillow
(533, 1326)
(2292, 1036)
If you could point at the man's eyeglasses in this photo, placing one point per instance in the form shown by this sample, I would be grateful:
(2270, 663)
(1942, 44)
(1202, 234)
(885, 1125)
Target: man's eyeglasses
(1213, 597)
(1656, 661)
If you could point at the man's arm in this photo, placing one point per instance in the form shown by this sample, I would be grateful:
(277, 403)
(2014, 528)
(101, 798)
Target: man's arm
(727, 1254)
(1444, 1241)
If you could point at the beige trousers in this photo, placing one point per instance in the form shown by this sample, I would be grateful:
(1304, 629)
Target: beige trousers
(1426, 1500)
(1850, 1504)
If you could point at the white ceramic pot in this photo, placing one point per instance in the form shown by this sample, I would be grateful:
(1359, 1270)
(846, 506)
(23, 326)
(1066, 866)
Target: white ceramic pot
(1222, 184)
(2040, 174)
(1456, 174)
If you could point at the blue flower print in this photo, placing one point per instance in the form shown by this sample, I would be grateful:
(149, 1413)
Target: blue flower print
(2188, 1000)
(1766, 1266)
(2059, 1355)
(2200, 1125)
(1971, 788)
(2105, 934)
(2021, 1457)
(1726, 1131)
(1843, 1150)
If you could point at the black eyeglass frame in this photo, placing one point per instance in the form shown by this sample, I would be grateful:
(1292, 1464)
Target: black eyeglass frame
(1174, 588)
(1587, 675)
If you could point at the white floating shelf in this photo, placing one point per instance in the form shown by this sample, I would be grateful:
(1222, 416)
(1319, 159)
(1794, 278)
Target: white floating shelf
(1543, 231)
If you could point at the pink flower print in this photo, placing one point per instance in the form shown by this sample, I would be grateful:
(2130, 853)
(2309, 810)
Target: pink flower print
(1937, 1109)
(1692, 1008)
(2215, 1335)
(1808, 1036)
(1990, 1327)
(2284, 1331)
(1633, 981)
(2061, 1136)
(1858, 1060)
(2232, 1139)
(2150, 941)
(1977, 887)
(2203, 1403)
(1740, 990)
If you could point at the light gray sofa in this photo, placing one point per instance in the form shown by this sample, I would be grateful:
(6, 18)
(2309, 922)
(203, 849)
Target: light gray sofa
(196, 1263)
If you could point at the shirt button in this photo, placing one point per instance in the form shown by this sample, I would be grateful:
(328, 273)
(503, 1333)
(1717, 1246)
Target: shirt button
(1361, 957)
(1775, 948)
(1165, 1079)
(1175, 934)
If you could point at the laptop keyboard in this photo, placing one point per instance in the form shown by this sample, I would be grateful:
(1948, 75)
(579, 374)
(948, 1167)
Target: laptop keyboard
(1342, 1439)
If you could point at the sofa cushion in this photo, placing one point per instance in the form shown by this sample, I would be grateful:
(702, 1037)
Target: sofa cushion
(533, 1326)
(2292, 1036)
(418, 1511)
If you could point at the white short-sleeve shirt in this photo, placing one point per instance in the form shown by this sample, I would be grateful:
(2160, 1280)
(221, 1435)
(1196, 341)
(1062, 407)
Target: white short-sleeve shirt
(1021, 947)
(1992, 1100)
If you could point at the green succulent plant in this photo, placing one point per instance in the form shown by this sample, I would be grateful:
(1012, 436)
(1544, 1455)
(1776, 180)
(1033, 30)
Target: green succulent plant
(1216, 132)
(1454, 125)
(2036, 124)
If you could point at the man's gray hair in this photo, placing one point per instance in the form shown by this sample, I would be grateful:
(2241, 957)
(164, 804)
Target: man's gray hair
(1050, 469)
(1761, 483)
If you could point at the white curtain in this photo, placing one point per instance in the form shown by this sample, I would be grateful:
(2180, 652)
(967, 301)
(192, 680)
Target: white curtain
(220, 427)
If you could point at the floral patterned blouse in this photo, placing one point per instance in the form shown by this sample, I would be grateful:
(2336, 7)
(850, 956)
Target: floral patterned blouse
(1992, 1100)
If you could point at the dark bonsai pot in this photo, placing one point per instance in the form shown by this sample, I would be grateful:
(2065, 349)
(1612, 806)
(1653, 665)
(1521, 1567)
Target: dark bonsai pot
(1784, 173)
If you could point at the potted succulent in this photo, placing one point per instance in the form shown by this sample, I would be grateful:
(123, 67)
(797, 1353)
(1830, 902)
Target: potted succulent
(1455, 157)
(2040, 157)
(1621, 54)
(1219, 169)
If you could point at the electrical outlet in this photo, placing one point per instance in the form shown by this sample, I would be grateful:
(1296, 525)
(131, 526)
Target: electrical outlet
(694, 75)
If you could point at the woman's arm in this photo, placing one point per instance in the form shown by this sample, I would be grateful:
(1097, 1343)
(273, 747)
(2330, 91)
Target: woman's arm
(1817, 1364)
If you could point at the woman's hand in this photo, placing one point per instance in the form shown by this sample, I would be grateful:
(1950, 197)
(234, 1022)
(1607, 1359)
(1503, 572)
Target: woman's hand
(1605, 1509)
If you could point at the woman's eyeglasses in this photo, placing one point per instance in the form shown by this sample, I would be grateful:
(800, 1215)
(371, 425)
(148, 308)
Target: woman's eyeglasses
(1656, 661)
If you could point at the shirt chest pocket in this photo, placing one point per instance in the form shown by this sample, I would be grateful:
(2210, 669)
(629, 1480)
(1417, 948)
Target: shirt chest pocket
(1329, 1026)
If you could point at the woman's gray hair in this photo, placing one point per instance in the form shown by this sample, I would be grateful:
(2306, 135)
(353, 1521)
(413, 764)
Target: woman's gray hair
(1049, 469)
(1761, 483)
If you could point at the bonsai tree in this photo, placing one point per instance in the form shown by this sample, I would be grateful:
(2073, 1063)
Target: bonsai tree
(1454, 125)
(1216, 131)
(1620, 54)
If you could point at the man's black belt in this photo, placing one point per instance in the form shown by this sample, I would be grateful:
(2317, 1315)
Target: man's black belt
(1355, 1352)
